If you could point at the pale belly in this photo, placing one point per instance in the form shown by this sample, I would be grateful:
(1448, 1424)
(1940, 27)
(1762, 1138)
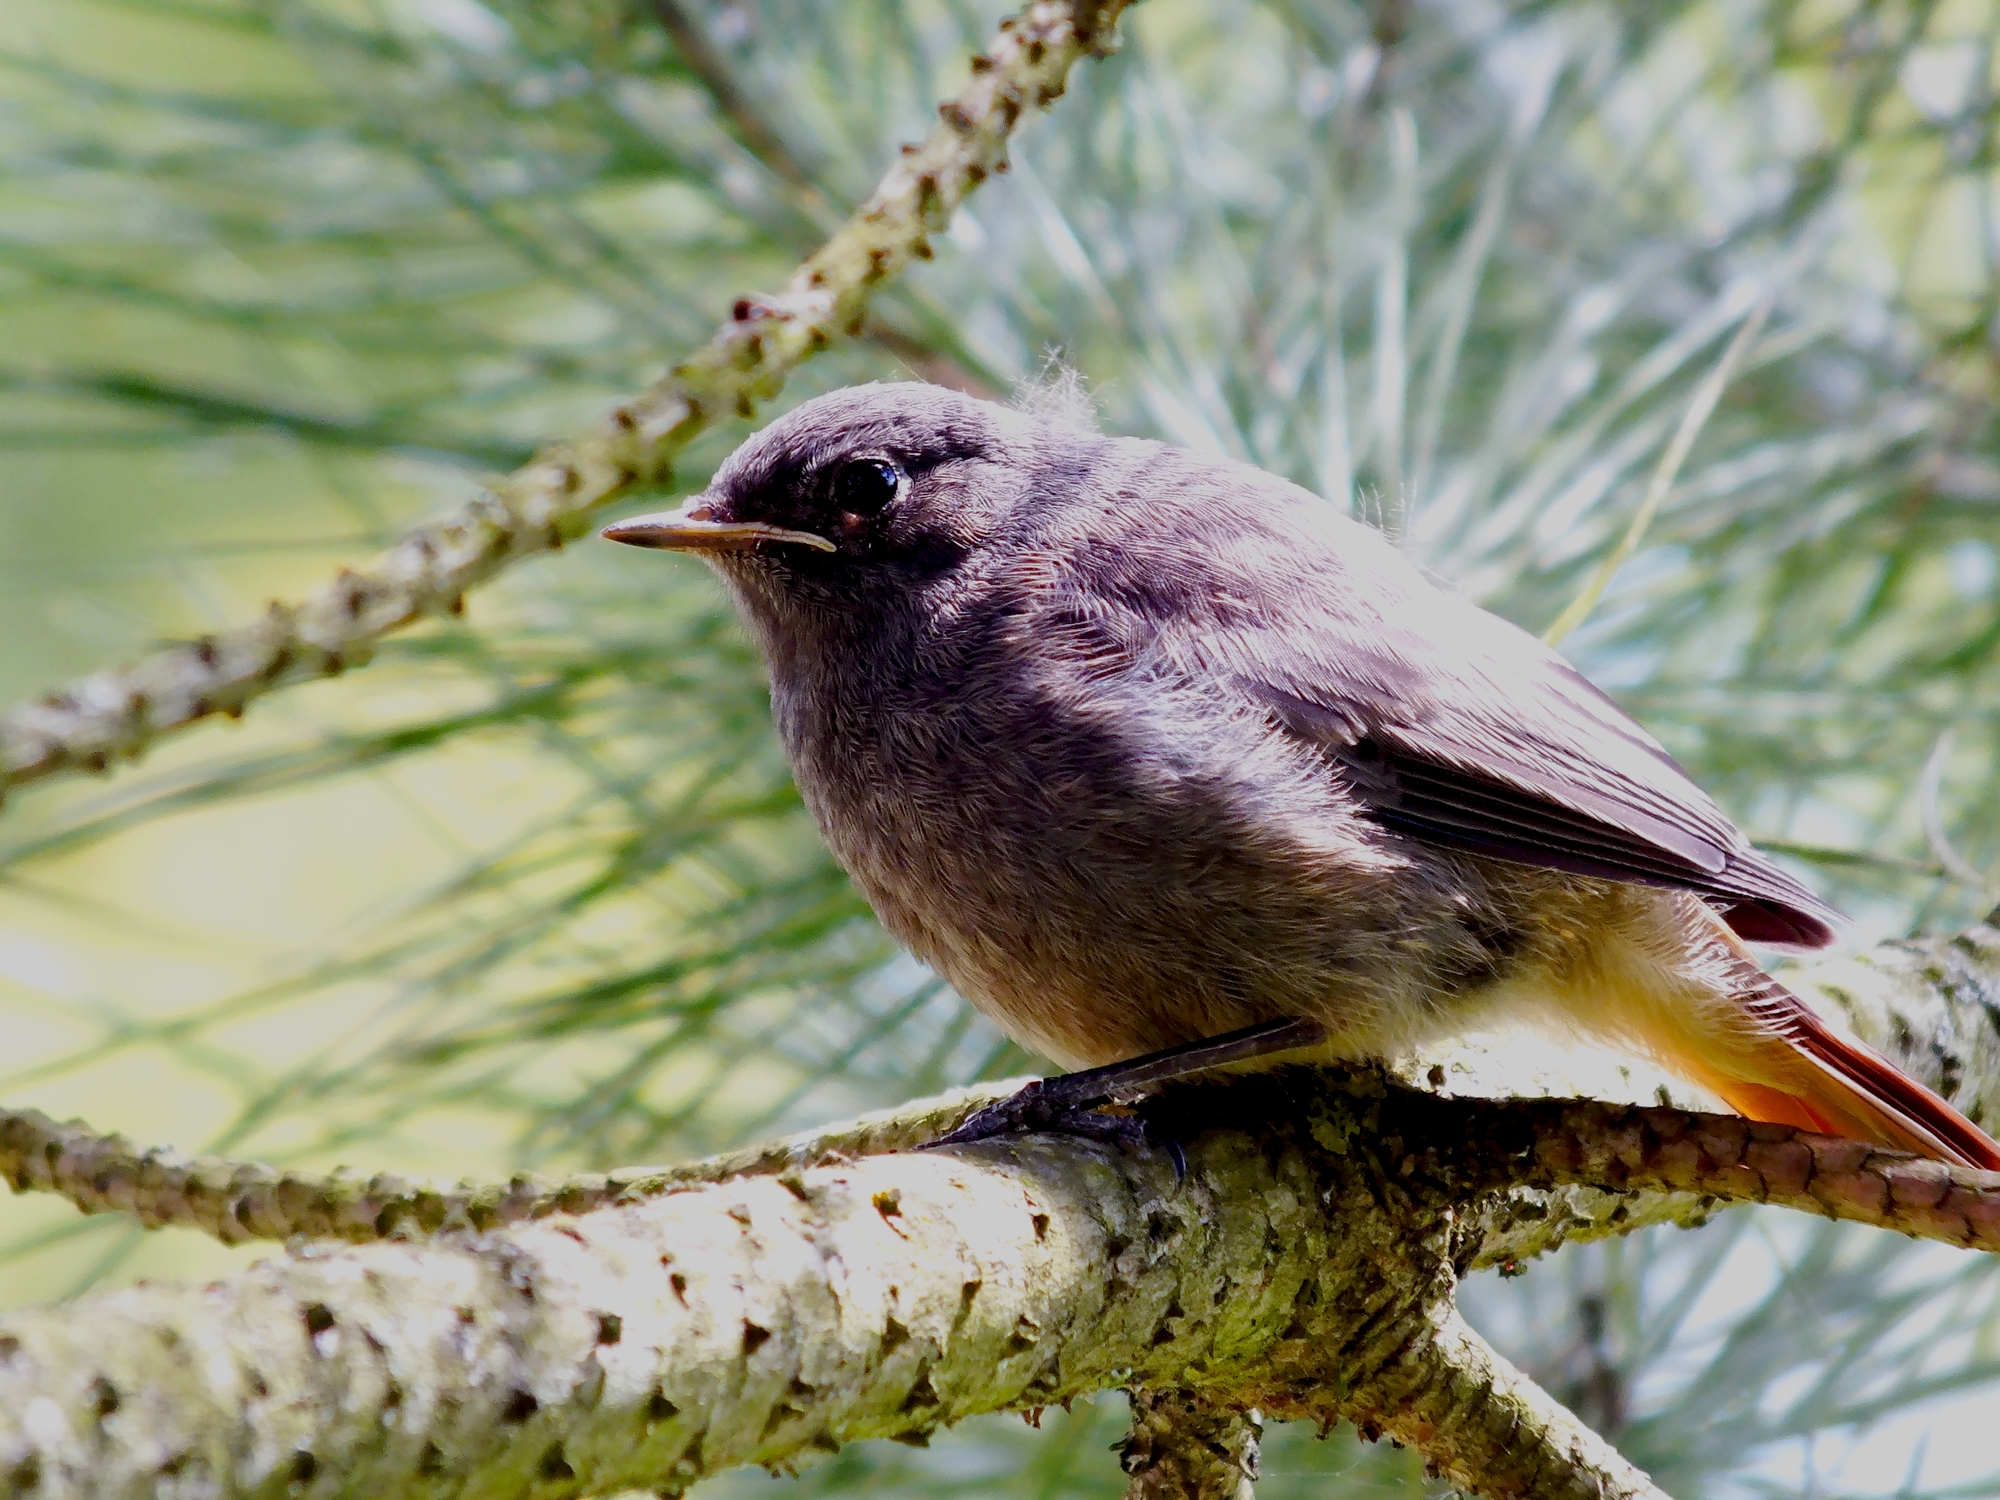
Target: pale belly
(1094, 928)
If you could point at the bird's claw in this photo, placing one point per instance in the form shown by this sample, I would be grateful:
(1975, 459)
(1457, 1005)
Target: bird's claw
(1072, 1103)
(1040, 1109)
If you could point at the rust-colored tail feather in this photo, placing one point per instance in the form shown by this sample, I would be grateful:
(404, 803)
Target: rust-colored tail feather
(1842, 1088)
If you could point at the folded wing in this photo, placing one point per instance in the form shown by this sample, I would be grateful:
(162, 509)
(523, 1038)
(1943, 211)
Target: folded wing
(1457, 729)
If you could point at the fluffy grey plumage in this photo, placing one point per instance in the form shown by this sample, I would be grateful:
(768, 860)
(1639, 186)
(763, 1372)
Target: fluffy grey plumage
(1137, 747)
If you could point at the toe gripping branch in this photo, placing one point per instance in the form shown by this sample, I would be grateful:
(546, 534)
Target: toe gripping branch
(1072, 1103)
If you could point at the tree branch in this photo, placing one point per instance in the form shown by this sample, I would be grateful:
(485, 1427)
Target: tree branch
(1588, 1144)
(1481, 1424)
(552, 498)
(1536, 1172)
(237, 1201)
(1651, 1164)
(1183, 1448)
(763, 1318)
(648, 1327)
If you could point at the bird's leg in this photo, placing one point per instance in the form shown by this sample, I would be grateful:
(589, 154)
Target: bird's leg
(1067, 1103)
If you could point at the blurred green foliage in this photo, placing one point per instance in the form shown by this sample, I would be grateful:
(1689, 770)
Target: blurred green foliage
(277, 276)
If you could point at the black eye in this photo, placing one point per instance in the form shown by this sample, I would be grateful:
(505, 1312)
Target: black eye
(865, 487)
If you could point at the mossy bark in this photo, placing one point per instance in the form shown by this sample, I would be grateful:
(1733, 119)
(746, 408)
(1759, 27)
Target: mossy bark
(643, 1329)
(762, 1319)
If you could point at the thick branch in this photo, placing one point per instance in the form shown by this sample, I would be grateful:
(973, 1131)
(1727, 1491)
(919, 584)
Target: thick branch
(1304, 1265)
(552, 498)
(1483, 1425)
(691, 1319)
(755, 1321)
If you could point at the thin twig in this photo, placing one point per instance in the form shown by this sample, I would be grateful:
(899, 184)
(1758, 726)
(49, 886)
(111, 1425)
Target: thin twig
(237, 1201)
(1480, 1146)
(552, 499)
(1954, 864)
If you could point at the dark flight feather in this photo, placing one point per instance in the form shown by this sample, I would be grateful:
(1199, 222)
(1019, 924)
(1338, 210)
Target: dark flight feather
(1458, 730)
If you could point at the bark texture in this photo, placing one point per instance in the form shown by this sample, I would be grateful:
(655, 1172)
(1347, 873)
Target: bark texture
(764, 1318)
(643, 1329)
(1182, 1448)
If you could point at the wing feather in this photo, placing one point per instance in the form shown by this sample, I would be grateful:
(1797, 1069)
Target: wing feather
(1452, 726)
(1511, 753)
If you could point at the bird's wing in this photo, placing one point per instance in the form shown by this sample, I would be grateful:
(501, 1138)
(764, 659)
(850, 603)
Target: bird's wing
(1455, 728)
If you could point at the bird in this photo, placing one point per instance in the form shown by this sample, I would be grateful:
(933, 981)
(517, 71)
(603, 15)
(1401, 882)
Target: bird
(1166, 763)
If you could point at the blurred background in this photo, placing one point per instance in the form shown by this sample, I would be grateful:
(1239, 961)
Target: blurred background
(278, 277)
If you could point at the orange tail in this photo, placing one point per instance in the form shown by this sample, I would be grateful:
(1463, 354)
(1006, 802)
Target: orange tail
(1811, 1076)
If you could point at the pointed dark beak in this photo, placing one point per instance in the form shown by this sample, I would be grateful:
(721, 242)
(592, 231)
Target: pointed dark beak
(693, 528)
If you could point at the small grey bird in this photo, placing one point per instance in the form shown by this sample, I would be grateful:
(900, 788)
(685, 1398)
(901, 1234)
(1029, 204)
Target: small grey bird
(1143, 750)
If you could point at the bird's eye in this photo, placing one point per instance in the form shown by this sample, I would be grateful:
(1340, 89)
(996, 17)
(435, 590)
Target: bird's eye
(865, 487)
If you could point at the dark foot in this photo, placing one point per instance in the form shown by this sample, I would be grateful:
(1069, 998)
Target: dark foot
(1042, 1108)
(1068, 1104)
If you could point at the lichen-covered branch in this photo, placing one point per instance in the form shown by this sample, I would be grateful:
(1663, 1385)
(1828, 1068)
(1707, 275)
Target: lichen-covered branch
(238, 1200)
(551, 499)
(1181, 1447)
(1480, 1423)
(758, 1320)
(644, 1328)
(1305, 1264)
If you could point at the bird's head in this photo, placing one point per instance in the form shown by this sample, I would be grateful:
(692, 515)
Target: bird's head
(860, 499)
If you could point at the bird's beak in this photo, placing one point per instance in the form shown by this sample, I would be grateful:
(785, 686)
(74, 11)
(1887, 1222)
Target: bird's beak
(693, 528)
